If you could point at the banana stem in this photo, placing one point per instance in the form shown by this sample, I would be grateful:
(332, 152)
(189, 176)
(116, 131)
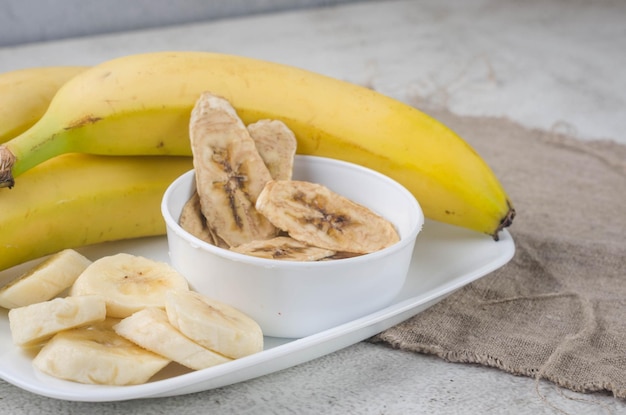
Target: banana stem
(7, 159)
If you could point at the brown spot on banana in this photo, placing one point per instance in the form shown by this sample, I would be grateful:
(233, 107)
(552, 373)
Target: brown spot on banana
(86, 120)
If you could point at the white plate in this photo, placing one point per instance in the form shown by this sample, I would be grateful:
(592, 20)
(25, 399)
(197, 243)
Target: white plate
(446, 258)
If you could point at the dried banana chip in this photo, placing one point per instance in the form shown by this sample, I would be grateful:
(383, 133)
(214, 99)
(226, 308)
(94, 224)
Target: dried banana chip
(230, 173)
(314, 214)
(276, 144)
(343, 255)
(193, 221)
(285, 248)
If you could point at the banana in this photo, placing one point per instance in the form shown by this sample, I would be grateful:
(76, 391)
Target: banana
(26, 93)
(95, 354)
(75, 200)
(284, 248)
(213, 324)
(276, 144)
(276, 148)
(124, 113)
(151, 329)
(314, 214)
(35, 323)
(193, 221)
(128, 283)
(229, 170)
(45, 281)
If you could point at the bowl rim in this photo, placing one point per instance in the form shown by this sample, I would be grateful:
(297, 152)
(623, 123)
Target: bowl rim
(173, 225)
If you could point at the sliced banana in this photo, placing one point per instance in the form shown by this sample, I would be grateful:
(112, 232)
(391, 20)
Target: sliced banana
(32, 324)
(128, 283)
(214, 325)
(151, 329)
(314, 214)
(193, 221)
(229, 171)
(284, 248)
(45, 281)
(276, 144)
(97, 355)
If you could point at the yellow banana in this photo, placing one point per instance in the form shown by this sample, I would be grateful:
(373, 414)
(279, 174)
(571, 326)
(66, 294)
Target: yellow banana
(26, 93)
(141, 104)
(76, 199)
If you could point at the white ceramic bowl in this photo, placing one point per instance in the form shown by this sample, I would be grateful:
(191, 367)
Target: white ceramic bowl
(296, 299)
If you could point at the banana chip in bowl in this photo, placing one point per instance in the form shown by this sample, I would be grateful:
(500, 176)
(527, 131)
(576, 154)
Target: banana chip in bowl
(295, 297)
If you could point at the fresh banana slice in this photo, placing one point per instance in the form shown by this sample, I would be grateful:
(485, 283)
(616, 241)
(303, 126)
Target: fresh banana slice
(128, 283)
(212, 324)
(230, 173)
(151, 329)
(285, 248)
(193, 221)
(276, 144)
(97, 355)
(314, 214)
(32, 324)
(45, 281)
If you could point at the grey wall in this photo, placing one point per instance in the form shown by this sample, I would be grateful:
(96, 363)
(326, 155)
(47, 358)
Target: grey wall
(26, 21)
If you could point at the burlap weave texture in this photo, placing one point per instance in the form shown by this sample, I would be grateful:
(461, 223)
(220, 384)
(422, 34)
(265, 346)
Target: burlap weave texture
(557, 311)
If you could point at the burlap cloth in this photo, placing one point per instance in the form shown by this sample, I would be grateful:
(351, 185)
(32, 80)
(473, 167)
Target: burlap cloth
(557, 311)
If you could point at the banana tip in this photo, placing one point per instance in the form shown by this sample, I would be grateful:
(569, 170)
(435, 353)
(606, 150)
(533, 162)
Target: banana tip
(505, 222)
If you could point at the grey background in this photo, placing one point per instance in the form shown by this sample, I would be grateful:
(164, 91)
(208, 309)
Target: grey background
(27, 21)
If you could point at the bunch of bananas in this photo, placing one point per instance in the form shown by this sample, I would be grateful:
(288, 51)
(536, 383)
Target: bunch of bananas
(105, 145)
